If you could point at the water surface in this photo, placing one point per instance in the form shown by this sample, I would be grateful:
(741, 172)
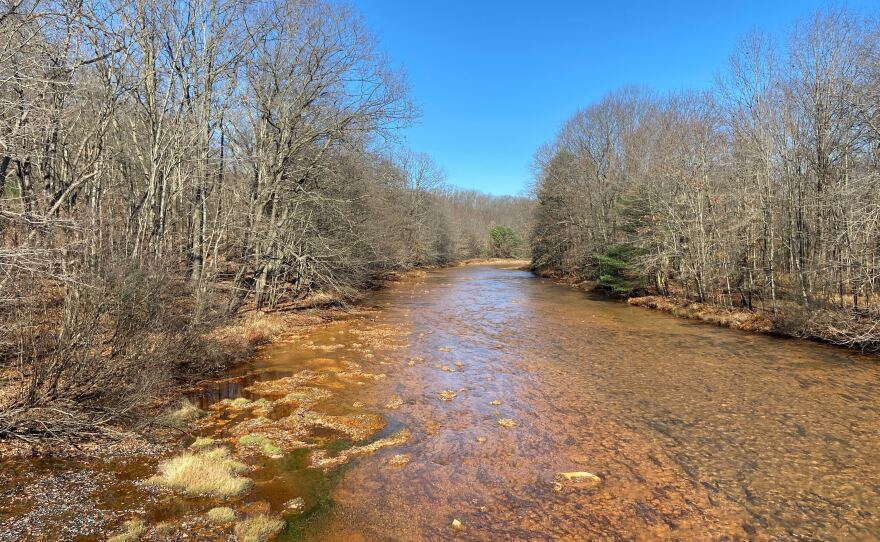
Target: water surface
(698, 432)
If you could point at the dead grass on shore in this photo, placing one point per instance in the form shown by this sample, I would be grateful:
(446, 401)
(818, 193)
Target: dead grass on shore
(743, 319)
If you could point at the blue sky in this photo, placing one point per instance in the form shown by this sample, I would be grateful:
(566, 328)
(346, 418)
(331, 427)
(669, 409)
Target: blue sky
(494, 79)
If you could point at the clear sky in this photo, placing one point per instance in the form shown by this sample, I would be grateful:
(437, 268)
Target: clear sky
(495, 79)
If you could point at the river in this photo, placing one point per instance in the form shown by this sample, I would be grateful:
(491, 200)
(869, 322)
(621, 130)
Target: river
(503, 380)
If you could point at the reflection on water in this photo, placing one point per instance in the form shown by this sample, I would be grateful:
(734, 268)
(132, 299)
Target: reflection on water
(504, 380)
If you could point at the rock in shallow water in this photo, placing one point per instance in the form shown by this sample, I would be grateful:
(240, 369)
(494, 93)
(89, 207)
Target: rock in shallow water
(297, 504)
(576, 479)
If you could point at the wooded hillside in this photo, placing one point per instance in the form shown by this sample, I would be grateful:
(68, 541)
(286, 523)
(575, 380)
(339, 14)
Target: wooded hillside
(165, 163)
(761, 192)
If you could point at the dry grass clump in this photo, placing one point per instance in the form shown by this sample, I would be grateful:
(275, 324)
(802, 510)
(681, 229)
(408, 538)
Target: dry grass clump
(240, 402)
(202, 442)
(164, 528)
(268, 447)
(184, 414)
(134, 528)
(221, 514)
(258, 528)
(211, 472)
(260, 328)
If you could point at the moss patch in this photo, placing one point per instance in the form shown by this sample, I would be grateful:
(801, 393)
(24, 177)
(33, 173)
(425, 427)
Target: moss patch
(338, 445)
(264, 444)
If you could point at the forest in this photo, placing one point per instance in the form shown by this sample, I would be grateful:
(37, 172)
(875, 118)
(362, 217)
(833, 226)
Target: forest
(165, 165)
(759, 193)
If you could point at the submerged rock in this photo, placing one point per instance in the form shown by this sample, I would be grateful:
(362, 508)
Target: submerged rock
(394, 403)
(399, 460)
(297, 504)
(446, 395)
(578, 478)
(181, 416)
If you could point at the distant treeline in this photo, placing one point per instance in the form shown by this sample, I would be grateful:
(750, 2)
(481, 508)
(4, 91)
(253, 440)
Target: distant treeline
(164, 163)
(762, 192)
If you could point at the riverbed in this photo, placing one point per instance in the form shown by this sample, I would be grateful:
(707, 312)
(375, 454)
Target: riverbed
(486, 387)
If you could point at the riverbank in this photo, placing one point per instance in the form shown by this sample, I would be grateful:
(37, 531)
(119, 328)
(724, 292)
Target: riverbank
(48, 480)
(848, 328)
(204, 443)
(194, 357)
